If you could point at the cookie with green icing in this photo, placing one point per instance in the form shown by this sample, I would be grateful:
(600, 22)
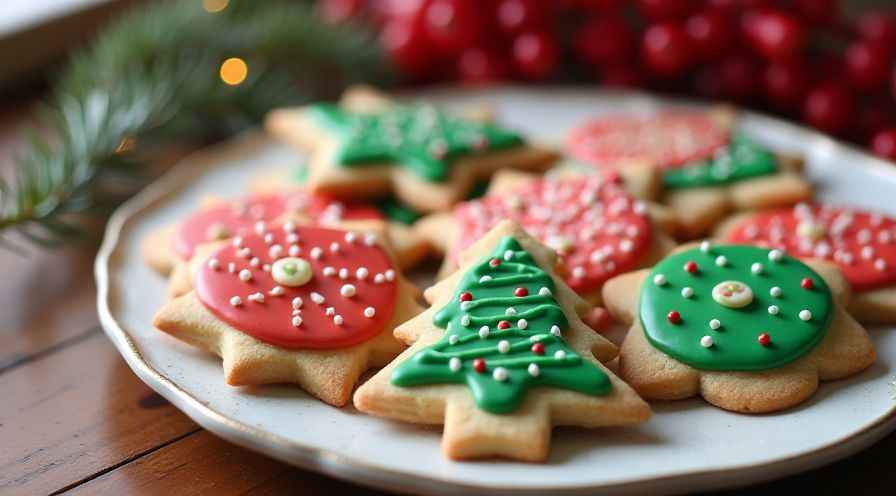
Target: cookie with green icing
(501, 356)
(750, 329)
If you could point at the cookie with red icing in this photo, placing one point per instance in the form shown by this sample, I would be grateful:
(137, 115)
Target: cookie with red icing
(308, 305)
(167, 249)
(861, 243)
(747, 328)
(708, 168)
(596, 227)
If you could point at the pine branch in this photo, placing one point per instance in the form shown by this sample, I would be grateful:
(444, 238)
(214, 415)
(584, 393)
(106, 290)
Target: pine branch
(151, 78)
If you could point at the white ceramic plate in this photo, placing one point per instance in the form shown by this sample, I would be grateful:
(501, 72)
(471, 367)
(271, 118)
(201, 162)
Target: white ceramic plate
(688, 445)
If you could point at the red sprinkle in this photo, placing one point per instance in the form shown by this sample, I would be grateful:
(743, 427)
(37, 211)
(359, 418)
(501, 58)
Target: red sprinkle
(494, 262)
(503, 324)
(807, 283)
(691, 267)
(479, 365)
(765, 339)
(674, 317)
(466, 297)
(520, 291)
(538, 349)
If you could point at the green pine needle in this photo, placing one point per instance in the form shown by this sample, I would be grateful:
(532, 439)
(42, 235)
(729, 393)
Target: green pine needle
(151, 79)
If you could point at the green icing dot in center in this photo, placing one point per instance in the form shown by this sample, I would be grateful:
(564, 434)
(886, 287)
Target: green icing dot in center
(734, 344)
(742, 159)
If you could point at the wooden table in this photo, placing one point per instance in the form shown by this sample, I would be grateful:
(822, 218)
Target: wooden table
(74, 418)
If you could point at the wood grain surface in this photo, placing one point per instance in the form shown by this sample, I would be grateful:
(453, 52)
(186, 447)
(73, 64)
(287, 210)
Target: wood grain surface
(74, 418)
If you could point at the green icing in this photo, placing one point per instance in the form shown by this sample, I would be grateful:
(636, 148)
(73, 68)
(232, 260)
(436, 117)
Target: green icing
(420, 137)
(397, 211)
(743, 158)
(491, 299)
(735, 343)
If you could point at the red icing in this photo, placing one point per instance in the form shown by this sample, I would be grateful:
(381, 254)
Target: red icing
(271, 320)
(239, 217)
(608, 231)
(668, 139)
(861, 243)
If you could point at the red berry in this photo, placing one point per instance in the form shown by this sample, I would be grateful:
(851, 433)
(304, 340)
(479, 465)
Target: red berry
(710, 31)
(807, 283)
(479, 365)
(336, 11)
(520, 291)
(691, 267)
(764, 339)
(739, 76)
(829, 108)
(774, 34)
(666, 50)
(452, 25)
(402, 40)
(535, 55)
(466, 297)
(872, 115)
(673, 317)
(517, 16)
(481, 65)
(604, 40)
(786, 83)
(494, 262)
(867, 66)
(622, 76)
(878, 27)
(816, 12)
(666, 10)
(884, 143)
(538, 349)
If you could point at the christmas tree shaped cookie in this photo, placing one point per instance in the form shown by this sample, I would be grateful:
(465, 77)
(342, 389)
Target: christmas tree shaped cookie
(369, 146)
(749, 329)
(303, 304)
(708, 167)
(862, 244)
(501, 357)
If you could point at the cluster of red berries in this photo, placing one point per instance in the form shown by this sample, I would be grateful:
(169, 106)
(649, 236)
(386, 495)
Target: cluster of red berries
(797, 58)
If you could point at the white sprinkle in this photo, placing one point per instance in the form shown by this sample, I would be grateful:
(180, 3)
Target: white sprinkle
(704, 246)
(805, 315)
(560, 354)
(500, 374)
(775, 291)
(626, 245)
(535, 339)
(297, 302)
(378, 279)
(659, 280)
(578, 272)
(245, 275)
(296, 321)
(213, 264)
(775, 255)
(347, 290)
(260, 227)
(503, 346)
(236, 301)
(555, 330)
(369, 312)
(454, 364)
(756, 268)
(534, 370)
(362, 273)
(337, 320)
(510, 311)
(867, 252)
(316, 252)
(237, 242)
(687, 292)
(277, 291)
(522, 323)
(343, 273)
(266, 267)
(330, 311)
(256, 297)
(485, 278)
(706, 341)
(334, 247)
(317, 298)
(464, 305)
(390, 275)
(721, 261)
(255, 262)
(292, 238)
(508, 255)
(715, 324)
(465, 320)
(880, 264)
(289, 227)
(231, 267)
(244, 252)
(329, 271)
(369, 239)
(483, 332)
(294, 250)
(350, 237)
(544, 292)
(452, 339)
(276, 252)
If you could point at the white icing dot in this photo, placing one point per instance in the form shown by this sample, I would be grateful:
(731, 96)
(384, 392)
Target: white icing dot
(452, 339)
(268, 238)
(369, 239)
(626, 246)
(500, 374)
(687, 292)
(578, 272)
(706, 341)
(297, 321)
(369, 312)
(276, 251)
(266, 267)
(775, 291)
(245, 275)
(805, 315)
(347, 290)
(343, 273)
(775, 255)
(535, 339)
(464, 305)
(483, 332)
(289, 227)
(244, 252)
(277, 291)
(292, 238)
(390, 275)
(555, 330)
(534, 370)
(255, 262)
(256, 297)
(508, 255)
(362, 273)
(659, 280)
(715, 324)
(260, 227)
(880, 264)
(544, 292)
(231, 267)
(297, 302)
(465, 320)
(756, 268)
(334, 247)
(329, 271)
(213, 264)
(236, 301)
(485, 278)
(503, 346)
(510, 311)
(560, 354)
(454, 364)
(337, 319)
(294, 250)
(317, 298)
(705, 246)
(721, 260)
(522, 323)
(330, 311)
(350, 237)
(237, 242)
(378, 279)
(773, 309)
(316, 252)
